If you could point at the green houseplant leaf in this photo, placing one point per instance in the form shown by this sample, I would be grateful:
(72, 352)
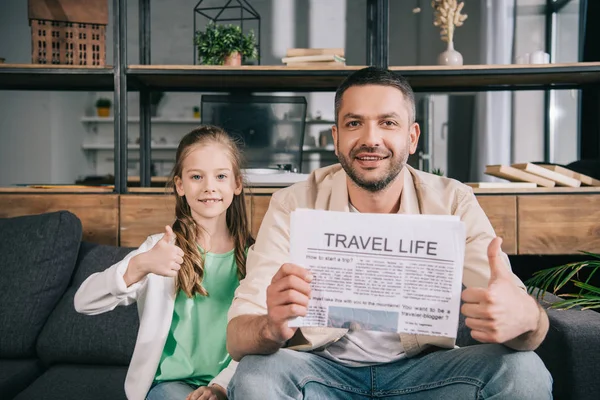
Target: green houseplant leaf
(578, 274)
(217, 42)
(103, 102)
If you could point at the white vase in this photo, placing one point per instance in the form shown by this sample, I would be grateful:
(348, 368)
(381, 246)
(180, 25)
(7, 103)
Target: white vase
(450, 56)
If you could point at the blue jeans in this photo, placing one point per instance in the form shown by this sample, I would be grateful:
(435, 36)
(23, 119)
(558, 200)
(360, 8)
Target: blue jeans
(172, 390)
(486, 371)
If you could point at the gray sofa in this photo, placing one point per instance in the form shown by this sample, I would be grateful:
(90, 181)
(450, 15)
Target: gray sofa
(49, 351)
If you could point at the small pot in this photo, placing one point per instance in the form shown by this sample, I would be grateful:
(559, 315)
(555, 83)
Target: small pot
(234, 59)
(103, 111)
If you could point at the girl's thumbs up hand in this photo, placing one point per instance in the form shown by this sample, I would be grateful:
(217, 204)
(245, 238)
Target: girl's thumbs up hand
(164, 259)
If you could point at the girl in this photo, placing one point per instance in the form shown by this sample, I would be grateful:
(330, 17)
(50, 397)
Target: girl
(184, 280)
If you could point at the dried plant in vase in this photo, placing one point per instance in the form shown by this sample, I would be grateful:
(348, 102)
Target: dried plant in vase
(447, 15)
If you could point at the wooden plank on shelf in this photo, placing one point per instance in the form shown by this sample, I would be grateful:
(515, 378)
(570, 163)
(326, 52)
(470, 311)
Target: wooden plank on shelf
(502, 213)
(57, 189)
(538, 190)
(585, 180)
(432, 78)
(516, 175)
(99, 213)
(226, 68)
(501, 185)
(560, 179)
(566, 224)
(55, 67)
(441, 68)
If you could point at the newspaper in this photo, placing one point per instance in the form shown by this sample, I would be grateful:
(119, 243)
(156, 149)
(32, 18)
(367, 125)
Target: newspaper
(380, 272)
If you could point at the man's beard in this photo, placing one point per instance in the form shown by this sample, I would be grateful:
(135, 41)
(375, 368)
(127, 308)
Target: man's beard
(396, 165)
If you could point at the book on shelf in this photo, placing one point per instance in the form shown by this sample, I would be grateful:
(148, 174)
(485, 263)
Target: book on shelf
(516, 175)
(300, 52)
(584, 179)
(501, 185)
(316, 64)
(560, 179)
(291, 61)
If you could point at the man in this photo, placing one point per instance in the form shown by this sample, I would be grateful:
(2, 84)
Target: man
(374, 134)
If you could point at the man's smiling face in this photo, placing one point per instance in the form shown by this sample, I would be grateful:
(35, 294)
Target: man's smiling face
(374, 135)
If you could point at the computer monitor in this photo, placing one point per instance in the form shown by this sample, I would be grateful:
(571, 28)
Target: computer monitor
(269, 129)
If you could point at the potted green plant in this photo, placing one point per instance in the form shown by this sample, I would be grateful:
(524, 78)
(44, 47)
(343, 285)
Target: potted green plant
(196, 112)
(577, 274)
(103, 107)
(224, 45)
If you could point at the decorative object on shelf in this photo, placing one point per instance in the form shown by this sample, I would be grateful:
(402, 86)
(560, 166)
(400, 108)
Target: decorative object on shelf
(68, 32)
(224, 45)
(196, 112)
(299, 57)
(447, 15)
(155, 98)
(227, 44)
(576, 274)
(103, 107)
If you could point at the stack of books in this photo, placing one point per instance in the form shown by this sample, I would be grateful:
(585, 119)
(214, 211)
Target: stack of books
(544, 175)
(314, 58)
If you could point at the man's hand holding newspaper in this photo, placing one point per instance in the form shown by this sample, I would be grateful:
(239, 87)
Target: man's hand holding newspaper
(287, 297)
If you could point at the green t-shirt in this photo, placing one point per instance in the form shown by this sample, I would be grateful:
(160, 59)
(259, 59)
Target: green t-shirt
(195, 349)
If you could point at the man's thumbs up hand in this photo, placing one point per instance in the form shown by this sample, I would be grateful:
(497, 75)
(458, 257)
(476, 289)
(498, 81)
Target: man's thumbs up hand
(498, 271)
(502, 311)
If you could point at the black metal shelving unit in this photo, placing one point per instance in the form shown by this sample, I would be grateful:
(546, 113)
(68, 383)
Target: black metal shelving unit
(145, 78)
(53, 78)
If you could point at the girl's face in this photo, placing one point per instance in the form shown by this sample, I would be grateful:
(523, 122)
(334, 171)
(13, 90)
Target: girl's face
(208, 183)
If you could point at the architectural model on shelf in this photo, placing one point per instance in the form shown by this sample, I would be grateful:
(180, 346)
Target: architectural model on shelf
(68, 32)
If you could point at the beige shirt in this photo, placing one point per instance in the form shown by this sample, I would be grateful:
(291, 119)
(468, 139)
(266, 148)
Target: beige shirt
(325, 189)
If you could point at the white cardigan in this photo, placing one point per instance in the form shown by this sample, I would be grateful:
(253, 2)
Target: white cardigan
(155, 297)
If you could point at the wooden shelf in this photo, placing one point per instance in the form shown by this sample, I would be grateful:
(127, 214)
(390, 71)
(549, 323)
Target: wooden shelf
(110, 146)
(189, 120)
(501, 77)
(310, 79)
(154, 120)
(194, 78)
(48, 77)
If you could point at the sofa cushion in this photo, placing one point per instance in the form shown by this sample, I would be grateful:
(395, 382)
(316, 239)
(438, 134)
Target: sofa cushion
(37, 259)
(70, 337)
(16, 375)
(77, 382)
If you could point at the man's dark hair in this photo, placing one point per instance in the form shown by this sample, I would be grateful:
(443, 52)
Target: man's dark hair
(376, 76)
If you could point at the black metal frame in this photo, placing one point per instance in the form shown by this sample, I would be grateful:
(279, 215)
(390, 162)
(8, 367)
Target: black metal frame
(242, 5)
(377, 33)
(589, 110)
(120, 94)
(552, 8)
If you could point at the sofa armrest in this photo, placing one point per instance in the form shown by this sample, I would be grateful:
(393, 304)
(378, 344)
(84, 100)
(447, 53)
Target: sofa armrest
(571, 351)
